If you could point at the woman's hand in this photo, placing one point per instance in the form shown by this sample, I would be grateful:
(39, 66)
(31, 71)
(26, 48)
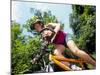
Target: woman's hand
(47, 33)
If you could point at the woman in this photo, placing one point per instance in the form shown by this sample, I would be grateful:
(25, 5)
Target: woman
(61, 41)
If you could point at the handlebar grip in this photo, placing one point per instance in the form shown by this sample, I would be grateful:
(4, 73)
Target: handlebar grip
(47, 29)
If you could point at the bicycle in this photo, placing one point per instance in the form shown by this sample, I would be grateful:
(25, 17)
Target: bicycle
(45, 52)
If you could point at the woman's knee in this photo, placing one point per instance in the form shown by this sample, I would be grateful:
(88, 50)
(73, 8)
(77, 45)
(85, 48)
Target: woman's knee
(76, 51)
(72, 46)
(57, 52)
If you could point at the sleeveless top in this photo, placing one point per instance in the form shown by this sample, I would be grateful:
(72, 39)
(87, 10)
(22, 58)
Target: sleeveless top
(60, 38)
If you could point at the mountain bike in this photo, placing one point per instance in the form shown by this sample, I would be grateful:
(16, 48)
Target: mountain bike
(55, 62)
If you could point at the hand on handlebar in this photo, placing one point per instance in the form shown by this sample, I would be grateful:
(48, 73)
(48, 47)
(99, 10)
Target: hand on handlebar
(48, 33)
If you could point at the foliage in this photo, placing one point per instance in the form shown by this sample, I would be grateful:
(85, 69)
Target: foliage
(23, 48)
(45, 16)
(83, 23)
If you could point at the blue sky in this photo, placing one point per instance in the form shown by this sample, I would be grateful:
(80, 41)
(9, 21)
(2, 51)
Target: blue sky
(21, 12)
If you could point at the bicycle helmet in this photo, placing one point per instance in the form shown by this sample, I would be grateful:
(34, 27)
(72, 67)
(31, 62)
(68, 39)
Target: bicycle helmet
(37, 21)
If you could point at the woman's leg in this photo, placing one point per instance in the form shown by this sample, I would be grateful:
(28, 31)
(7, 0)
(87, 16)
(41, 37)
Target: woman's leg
(59, 49)
(80, 53)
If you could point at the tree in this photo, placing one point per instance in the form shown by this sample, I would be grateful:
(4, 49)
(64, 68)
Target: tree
(23, 48)
(83, 23)
(45, 16)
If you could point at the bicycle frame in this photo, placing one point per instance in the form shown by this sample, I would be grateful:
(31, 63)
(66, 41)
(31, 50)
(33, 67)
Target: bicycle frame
(57, 60)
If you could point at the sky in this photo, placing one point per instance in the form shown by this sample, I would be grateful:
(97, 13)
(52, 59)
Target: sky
(21, 12)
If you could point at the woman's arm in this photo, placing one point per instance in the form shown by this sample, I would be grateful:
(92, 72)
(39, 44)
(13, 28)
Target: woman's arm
(56, 26)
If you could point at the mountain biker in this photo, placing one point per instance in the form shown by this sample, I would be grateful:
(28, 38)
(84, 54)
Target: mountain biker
(61, 41)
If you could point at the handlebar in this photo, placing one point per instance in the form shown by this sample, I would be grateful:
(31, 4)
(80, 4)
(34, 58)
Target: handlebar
(47, 29)
(48, 38)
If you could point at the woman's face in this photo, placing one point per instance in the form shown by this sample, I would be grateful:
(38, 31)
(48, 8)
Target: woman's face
(38, 27)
